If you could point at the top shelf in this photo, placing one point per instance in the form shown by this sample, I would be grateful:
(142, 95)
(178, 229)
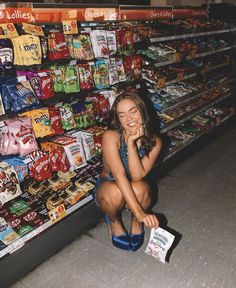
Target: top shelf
(161, 39)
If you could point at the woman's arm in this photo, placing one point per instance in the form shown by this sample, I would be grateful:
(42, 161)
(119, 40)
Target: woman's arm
(139, 168)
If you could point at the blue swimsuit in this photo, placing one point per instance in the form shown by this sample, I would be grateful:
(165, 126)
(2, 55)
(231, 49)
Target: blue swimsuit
(124, 158)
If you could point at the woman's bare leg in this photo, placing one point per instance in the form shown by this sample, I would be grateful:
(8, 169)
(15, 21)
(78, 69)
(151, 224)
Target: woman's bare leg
(111, 201)
(143, 193)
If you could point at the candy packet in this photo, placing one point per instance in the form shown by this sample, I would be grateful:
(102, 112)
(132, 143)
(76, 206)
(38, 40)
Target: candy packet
(99, 43)
(101, 74)
(159, 243)
(111, 41)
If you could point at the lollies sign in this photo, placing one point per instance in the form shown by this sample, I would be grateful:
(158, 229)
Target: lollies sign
(15, 15)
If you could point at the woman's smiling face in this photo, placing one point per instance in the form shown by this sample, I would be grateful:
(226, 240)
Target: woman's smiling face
(128, 114)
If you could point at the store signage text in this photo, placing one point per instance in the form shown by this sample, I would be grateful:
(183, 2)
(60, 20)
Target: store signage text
(15, 14)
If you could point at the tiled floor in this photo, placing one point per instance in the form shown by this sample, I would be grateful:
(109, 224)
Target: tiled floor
(198, 200)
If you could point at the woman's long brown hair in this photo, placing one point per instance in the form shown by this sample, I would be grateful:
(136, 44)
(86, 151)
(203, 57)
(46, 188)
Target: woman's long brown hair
(148, 139)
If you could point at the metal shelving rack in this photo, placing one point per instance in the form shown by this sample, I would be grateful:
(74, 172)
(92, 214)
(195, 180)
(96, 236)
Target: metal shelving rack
(25, 254)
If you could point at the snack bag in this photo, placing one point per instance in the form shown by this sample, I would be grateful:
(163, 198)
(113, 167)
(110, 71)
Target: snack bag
(71, 84)
(55, 119)
(120, 70)
(57, 46)
(9, 183)
(28, 49)
(47, 84)
(113, 73)
(22, 131)
(159, 243)
(111, 41)
(101, 74)
(128, 42)
(85, 76)
(68, 120)
(34, 80)
(69, 41)
(6, 55)
(83, 47)
(7, 234)
(58, 77)
(40, 122)
(19, 96)
(133, 67)
(99, 43)
(20, 167)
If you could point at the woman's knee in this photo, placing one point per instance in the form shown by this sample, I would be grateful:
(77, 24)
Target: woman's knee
(109, 194)
(142, 190)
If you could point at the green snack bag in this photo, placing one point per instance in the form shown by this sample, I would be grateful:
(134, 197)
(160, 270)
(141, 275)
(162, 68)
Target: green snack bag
(71, 83)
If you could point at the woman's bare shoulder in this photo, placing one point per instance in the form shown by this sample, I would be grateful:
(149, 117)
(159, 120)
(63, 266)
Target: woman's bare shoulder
(111, 136)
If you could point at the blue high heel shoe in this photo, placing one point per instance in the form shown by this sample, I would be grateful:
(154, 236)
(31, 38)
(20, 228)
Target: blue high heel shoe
(136, 240)
(122, 241)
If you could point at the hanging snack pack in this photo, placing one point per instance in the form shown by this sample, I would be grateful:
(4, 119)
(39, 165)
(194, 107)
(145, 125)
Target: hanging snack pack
(99, 43)
(113, 74)
(34, 79)
(18, 96)
(85, 76)
(55, 119)
(6, 55)
(71, 83)
(67, 116)
(111, 42)
(125, 41)
(69, 41)
(120, 70)
(21, 130)
(83, 47)
(57, 46)
(9, 183)
(101, 74)
(40, 122)
(133, 67)
(58, 77)
(20, 167)
(27, 50)
(47, 84)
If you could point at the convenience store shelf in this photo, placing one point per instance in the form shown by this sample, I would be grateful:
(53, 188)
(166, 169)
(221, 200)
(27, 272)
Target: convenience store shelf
(171, 154)
(161, 39)
(191, 115)
(19, 243)
(165, 63)
(188, 98)
(14, 266)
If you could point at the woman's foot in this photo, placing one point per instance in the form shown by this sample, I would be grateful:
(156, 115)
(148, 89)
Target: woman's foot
(136, 234)
(135, 227)
(119, 235)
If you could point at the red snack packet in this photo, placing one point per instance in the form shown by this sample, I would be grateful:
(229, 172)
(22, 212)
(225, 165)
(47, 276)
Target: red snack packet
(64, 162)
(55, 119)
(54, 159)
(133, 67)
(42, 168)
(47, 84)
(57, 46)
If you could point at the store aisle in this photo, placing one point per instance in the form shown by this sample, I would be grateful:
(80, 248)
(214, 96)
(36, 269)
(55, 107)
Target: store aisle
(198, 199)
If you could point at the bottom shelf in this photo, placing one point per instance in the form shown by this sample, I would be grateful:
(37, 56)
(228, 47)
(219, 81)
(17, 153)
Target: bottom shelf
(14, 266)
(171, 154)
